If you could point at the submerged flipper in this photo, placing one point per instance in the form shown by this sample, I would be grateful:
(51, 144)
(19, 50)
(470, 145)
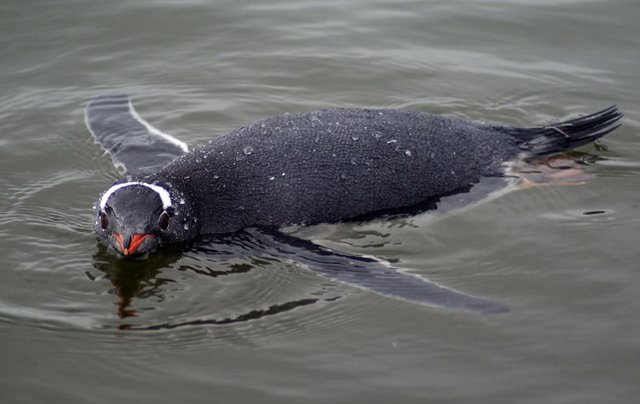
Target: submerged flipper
(133, 143)
(367, 272)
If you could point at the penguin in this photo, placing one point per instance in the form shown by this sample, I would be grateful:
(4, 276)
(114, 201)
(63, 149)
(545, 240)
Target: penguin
(325, 166)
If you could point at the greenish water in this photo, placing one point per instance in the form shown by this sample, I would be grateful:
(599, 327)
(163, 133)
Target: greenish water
(196, 69)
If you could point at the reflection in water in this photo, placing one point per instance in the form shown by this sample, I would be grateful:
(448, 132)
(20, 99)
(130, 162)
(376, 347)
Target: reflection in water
(139, 278)
(133, 278)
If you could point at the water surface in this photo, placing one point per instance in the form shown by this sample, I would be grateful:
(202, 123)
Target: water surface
(74, 321)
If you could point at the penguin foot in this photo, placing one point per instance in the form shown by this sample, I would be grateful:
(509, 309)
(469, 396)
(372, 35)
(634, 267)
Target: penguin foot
(558, 171)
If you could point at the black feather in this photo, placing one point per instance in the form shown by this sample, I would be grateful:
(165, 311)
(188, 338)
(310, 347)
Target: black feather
(567, 135)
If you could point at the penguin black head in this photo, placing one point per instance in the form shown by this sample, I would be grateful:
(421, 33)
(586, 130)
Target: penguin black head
(136, 217)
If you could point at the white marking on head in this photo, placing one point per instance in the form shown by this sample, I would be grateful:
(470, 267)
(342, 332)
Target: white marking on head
(182, 145)
(165, 197)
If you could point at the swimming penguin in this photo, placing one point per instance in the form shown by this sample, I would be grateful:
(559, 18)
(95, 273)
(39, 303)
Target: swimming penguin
(315, 167)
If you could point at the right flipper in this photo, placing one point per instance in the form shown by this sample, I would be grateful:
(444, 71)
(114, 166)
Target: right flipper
(132, 142)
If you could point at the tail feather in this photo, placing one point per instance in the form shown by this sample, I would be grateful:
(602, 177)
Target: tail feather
(567, 135)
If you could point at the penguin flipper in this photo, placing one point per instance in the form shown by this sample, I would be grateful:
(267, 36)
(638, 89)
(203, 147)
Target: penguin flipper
(133, 143)
(369, 273)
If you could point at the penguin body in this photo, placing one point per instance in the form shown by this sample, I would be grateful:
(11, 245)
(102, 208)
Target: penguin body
(332, 165)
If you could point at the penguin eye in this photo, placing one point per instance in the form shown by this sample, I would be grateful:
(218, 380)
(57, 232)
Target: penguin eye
(163, 220)
(104, 220)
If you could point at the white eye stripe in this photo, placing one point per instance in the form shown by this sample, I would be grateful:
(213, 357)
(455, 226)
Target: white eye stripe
(165, 197)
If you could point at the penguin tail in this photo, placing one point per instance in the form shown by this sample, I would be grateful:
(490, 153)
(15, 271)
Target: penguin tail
(564, 136)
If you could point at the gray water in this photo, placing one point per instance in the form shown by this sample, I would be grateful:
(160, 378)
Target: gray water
(565, 259)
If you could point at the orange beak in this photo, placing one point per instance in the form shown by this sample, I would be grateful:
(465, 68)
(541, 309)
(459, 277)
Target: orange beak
(134, 242)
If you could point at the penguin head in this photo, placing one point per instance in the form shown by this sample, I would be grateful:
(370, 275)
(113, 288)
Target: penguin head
(136, 217)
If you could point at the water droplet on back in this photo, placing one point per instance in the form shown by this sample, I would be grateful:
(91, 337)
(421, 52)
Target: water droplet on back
(248, 150)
